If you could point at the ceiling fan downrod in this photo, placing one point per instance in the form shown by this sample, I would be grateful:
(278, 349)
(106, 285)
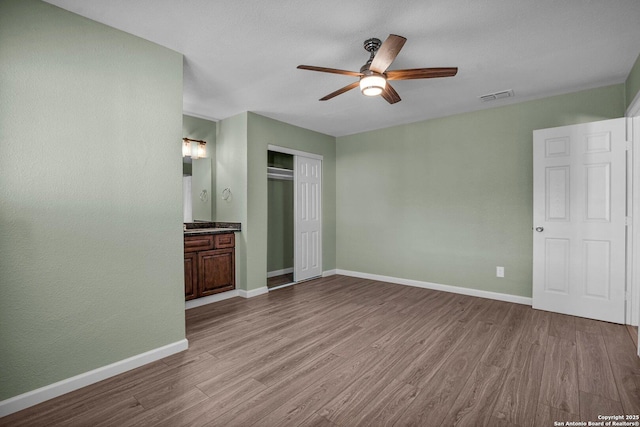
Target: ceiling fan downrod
(371, 45)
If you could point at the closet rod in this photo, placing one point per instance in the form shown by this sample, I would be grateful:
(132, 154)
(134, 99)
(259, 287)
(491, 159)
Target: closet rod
(279, 173)
(280, 177)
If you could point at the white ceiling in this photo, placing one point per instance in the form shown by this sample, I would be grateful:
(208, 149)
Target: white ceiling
(242, 55)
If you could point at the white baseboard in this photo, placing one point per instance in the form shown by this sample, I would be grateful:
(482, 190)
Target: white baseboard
(438, 287)
(286, 285)
(253, 293)
(192, 303)
(31, 398)
(223, 296)
(279, 272)
(329, 273)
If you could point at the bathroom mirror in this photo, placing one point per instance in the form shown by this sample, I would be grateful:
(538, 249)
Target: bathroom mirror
(196, 189)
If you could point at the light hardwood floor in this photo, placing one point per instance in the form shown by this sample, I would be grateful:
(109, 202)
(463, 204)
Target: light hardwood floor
(341, 351)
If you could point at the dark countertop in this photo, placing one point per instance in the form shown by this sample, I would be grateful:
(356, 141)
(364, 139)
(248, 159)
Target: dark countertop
(203, 228)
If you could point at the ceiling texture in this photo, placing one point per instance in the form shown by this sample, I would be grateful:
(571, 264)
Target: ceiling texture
(242, 55)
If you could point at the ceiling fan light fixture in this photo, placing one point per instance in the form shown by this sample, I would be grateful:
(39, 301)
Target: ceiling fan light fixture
(375, 72)
(372, 84)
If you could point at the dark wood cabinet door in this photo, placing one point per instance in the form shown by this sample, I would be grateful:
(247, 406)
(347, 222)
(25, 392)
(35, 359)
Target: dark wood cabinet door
(216, 271)
(190, 275)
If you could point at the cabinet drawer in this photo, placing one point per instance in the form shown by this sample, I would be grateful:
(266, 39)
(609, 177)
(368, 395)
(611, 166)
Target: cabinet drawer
(198, 243)
(224, 241)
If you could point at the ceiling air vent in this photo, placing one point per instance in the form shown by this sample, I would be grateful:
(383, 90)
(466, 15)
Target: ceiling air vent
(496, 95)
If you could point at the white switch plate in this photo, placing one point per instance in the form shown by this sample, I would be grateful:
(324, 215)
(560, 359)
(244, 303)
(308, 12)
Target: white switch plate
(499, 271)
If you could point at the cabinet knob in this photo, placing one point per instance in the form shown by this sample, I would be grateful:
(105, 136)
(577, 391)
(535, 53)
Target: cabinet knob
(539, 229)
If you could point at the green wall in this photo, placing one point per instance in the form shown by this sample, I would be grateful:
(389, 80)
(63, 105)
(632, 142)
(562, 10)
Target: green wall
(447, 200)
(262, 131)
(632, 84)
(204, 130)
(280, 225)
(90, 188)
(231, 172)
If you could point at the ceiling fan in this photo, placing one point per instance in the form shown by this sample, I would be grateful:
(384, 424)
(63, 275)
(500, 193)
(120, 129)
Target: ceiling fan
(374, 77)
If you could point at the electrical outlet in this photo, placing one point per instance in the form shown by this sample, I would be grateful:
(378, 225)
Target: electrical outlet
(499, 271)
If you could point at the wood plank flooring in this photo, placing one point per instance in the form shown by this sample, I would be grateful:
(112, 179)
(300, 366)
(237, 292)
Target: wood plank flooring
(342, 351)
(633, 331)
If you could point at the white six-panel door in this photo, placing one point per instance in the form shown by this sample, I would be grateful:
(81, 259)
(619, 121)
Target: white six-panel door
(579, 178)
(308, 222)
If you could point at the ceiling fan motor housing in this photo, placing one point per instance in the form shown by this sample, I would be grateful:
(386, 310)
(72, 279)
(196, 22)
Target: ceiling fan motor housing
(372, 45)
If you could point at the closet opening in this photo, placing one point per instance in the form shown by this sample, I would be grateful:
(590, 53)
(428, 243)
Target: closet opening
(294, 222)
(281, 216)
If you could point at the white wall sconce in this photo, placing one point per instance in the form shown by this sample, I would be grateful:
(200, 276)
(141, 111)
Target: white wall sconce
(194, 148)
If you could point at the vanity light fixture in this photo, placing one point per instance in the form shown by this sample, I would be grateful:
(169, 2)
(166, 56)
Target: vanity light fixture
(194, 148)
(202, 149)
(186, 148)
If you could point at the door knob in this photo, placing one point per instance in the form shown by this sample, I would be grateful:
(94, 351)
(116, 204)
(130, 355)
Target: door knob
(539, 229)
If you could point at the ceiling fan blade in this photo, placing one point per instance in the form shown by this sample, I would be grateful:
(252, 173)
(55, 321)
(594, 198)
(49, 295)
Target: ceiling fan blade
(340, 91)
(387, 53)
(329, 70)
(421, 73)
(390, 95)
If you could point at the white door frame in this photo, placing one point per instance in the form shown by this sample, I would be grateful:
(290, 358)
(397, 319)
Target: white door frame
(293, 152)
(633, 231)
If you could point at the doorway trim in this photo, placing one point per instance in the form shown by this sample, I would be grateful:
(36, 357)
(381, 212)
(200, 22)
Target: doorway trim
(633, 189)
(293, 152)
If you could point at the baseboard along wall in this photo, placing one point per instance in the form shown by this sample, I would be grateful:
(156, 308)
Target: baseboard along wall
(253, 292)
(34, 397)
(439, 287)
(193, 303)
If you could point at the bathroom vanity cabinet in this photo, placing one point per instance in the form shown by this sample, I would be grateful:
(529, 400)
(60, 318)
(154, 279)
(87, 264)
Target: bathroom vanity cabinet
(209, 264)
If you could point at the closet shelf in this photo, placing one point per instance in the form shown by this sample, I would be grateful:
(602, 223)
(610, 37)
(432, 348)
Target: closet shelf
(279, 173)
